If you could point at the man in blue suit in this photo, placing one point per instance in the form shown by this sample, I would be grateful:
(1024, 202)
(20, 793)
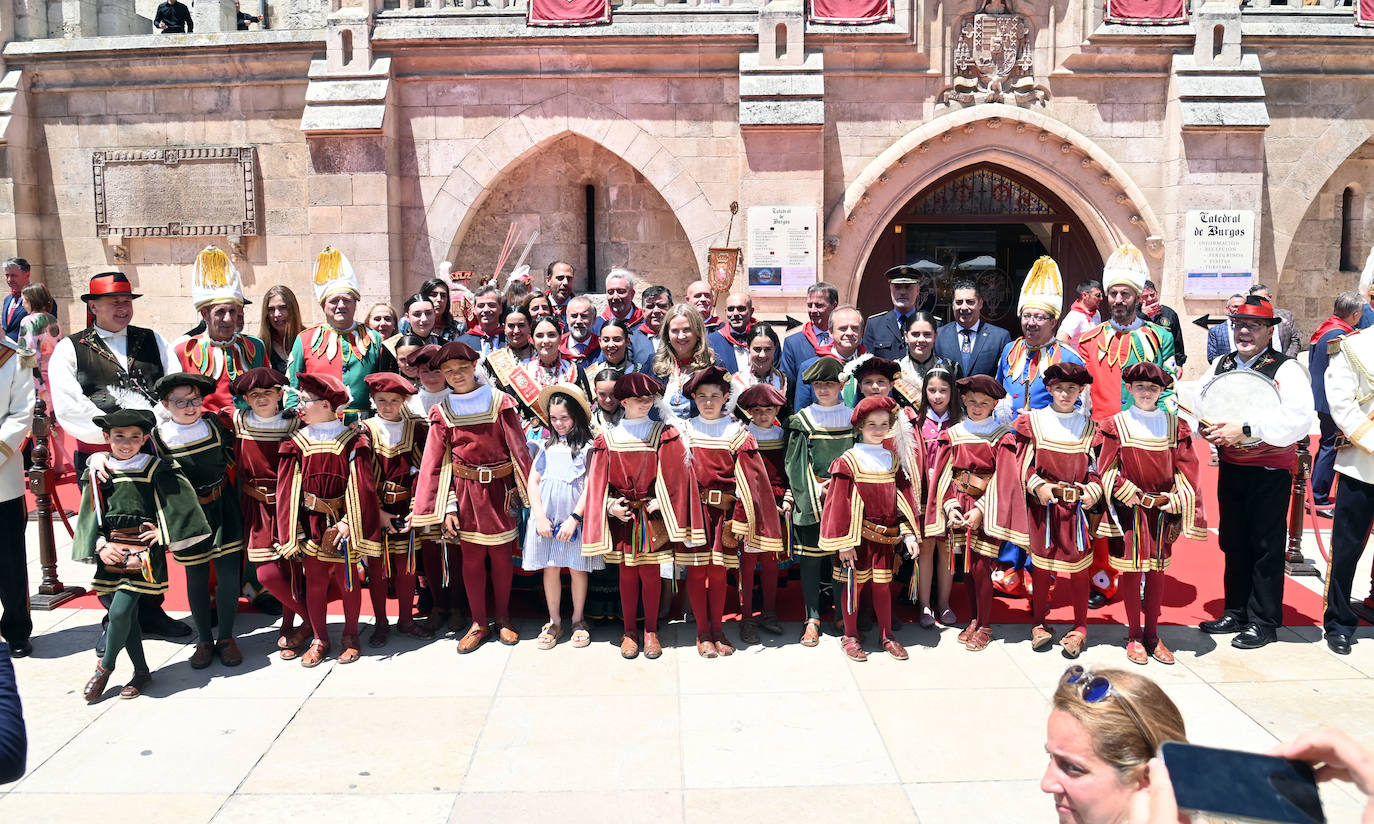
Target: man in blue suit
(848, 323)
(1219, 338)
(731, 341)
(17, 273)
(885, 332)
(967, 340)
(813, 337)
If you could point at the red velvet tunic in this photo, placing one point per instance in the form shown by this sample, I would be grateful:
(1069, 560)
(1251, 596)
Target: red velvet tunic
(1003, 504)
(729, 464)
(1132, 460)
(397, 465)
(640, 469)
(1060, 539)
(492, 437)
(338, 467)
(257, 455)
(856, 495)
(774, 454)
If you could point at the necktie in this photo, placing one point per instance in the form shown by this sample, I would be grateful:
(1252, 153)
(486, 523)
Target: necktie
(967, 346)
(822, 338)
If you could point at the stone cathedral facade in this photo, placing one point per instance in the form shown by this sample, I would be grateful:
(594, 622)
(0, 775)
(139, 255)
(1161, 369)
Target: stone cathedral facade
(968, 137)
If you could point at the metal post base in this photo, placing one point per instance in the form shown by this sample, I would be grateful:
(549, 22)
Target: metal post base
(45, 601)
(1302, 568)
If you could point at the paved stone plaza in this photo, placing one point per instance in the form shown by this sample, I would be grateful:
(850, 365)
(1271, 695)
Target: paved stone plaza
(775, 733)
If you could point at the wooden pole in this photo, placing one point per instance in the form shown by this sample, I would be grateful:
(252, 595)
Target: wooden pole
(51, 591)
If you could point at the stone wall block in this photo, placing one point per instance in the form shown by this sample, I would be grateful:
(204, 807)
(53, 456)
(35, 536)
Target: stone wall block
(479, 167)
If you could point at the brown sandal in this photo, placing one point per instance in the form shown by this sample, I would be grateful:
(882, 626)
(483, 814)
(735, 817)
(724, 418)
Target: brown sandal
(723, 647)
(1041, 638)
(853, 649)
(895, 649)
(1073, 643)
(705, 648)
(414, 630)
(629, 647)
(811, 636)
(351, 649)
(95, 688)
(1158, 651)
(979, 640)
(968, 632)
(549, 635)
(581, 635)
(473, 639)
(506, 632)
(293, 644)
(136, 685)
(315, 654)
(652, 647)
(1135, 652)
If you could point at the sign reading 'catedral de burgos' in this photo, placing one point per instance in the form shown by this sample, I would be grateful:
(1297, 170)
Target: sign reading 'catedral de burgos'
(781, 251)
(1218, 252)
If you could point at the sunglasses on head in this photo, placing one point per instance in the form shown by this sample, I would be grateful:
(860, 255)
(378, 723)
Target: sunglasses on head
(1094, 689)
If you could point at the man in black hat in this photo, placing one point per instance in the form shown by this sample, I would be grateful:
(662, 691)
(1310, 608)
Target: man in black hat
(885, 332)
(110, 365)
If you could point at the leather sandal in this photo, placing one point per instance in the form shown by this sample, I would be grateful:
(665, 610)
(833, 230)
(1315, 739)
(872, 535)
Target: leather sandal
(1158, 651)
(1041, 638)
(204, 654)
(351, 649)
(652, 647)
(229, 653)
(380, 633)
(548, 636)
(95, 688)
(315, 654)
(979, 640)
(705, 647)
(473, 639)
(769, 623)
(137, 684)
(506, 632)
(1072, 644)
(291, 645)
(811, 635)
(723, 647)
(629, 647)
(853, 649)
(895, 649)
(581, 635)
(1135, 651)
(414, 630)
(748, 631)
(967, 632)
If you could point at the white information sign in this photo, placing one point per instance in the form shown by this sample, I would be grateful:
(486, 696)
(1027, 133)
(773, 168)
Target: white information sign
(781, 249)
(1218, 252)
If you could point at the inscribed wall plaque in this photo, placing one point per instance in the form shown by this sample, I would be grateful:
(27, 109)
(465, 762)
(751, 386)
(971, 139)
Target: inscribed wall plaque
(175, 192)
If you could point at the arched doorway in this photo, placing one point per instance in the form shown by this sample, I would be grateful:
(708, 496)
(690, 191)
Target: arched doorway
(985, 222)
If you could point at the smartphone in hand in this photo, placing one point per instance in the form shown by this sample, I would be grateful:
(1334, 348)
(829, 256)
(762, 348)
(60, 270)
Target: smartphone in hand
(1242, 786)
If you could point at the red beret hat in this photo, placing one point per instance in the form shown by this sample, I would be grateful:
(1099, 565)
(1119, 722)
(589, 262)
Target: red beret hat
(421, 356)
(984, 385)
(878, 366)
(637, 385)
(1150, 372)
(325, 387)
(261, 377)
(1071, 372)
(870, 405)
(710, 375)
(761, 394)
(388, 382)
(453, 350)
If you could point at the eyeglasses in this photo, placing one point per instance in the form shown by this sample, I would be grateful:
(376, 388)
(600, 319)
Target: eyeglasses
(1036, 317)
(185, 403)
(1094, 689)
(1248, 325)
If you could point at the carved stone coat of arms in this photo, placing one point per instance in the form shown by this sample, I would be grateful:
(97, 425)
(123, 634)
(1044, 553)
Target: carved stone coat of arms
(992, 60)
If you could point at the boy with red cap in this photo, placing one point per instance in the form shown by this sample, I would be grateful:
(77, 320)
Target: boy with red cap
(1150, 470)
(259, 431)
(978, 499)
(327, 508)
(733, 483)
(869, 509)
(1055, 445)
(398, 440)
(762, 402)
(641, 505)
(472, 477)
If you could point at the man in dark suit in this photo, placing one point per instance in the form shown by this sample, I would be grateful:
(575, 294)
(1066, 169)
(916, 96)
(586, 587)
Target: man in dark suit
(731, 341)
(968, 340)
(885, 332)
(813, 337)
(1155, 312)
(17, 273)
(1344, 315)
(1219, 337)
(848, 324)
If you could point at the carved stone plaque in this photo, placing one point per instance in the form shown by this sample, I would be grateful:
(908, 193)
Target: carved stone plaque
(175, 192)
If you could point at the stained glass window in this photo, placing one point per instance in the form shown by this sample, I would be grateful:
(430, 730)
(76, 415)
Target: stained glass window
(980, 192)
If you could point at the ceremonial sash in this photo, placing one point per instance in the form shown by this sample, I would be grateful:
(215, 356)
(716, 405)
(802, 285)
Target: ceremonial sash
(511, 373)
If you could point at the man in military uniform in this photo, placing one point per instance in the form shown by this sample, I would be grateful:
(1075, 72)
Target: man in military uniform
(885, 332)
(221, 351)
(16, 413)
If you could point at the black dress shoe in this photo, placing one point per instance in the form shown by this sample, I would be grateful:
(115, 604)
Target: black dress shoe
(25, 649)
(100, 642)
(1221, 626)
(1338, 643)
(165, 626)
(267, 604)
(1254, 637)
(1096, 600)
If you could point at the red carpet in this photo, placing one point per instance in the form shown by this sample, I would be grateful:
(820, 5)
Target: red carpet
(1193, 593)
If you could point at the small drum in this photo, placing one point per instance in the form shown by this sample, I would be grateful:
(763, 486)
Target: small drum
(1233, 397)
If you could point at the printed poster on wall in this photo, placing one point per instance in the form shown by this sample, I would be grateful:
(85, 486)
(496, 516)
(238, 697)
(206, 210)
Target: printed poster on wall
(781, 249)
(1218, 252)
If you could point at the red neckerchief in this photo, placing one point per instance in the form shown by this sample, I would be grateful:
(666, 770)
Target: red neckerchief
(477, 332)
(1330, 323)
(809, 329)
(1079, 307)
(711, 322)
(645, 330)
(729, 335)
(635, 316)
(566, 350)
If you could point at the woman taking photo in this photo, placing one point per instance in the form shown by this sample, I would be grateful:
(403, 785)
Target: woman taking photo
(682, 353)
(281, 323)
(1104, 728)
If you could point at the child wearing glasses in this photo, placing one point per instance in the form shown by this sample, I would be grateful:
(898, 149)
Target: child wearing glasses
(1055, 446)
(1151, 471)
(869, 510)
(978, 500)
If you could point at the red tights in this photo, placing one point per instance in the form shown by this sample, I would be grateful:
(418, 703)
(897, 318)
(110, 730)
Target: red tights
(475, 558)
(748, 563)
(1154, 601)
(706, 590)
(882, 608)
(637, 581)
(432, 553)
(1080, 586)
(318, 575)
(276, 577)
(978, 583)
(405, 589)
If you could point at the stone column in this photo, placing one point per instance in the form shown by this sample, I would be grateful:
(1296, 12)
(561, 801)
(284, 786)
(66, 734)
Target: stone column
(215, 16)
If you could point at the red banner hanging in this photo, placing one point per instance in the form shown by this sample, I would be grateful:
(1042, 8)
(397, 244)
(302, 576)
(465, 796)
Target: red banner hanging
(1364, 13)
(568, 12)
(1147, 12)
(850, 12)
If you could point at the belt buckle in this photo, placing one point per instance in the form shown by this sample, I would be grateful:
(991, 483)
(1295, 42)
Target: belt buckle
(484, 475)
(1068, 494)
(713, 497)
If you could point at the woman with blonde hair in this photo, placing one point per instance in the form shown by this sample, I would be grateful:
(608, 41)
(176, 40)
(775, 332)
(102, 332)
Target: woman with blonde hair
(1104, 728)
(682, 352)
(281, 323)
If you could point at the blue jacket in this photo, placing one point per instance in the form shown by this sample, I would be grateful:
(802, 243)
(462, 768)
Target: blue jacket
(796, 350)
(1317, 361)
(1016, 385)
(1218, 341)
(725, 352)
(988, 344)
(884, 336)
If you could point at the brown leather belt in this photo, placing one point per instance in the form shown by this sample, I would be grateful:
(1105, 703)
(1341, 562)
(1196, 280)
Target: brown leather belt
(1149, 501)
(133, 547)
(971, 483)
(393, 492)
(324, 506)
(266, 494)
(483, 474)
(879, 534)
(720, 499)
(1066, 493)
(213, 493)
